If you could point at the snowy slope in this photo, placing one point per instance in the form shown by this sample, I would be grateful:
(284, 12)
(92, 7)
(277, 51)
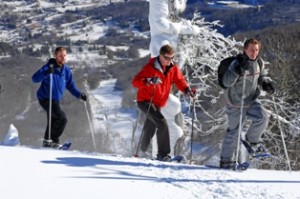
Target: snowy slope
(41, 173)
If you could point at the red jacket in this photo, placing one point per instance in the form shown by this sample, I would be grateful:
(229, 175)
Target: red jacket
(160, 92)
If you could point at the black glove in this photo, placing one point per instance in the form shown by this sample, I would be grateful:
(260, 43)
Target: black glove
(52, 62)
(242, 65)
(242, 59)
(190, 91)
(50, 70)
(83, 97)
(268, 87)
(154, 80)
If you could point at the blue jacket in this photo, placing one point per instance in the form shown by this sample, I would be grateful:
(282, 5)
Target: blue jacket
(62, 79)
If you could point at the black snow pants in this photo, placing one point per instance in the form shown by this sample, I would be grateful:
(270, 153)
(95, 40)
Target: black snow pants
(58, 120)
(155, 122)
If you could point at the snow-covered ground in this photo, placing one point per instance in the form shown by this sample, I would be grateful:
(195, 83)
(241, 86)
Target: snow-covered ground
(45, 173)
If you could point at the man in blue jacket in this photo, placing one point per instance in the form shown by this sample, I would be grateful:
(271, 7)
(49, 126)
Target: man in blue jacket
(62, 79)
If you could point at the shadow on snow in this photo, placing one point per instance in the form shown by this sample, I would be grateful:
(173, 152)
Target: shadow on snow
(125, 175)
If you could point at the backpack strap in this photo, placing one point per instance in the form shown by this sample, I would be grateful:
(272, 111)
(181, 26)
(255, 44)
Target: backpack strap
(260, 63)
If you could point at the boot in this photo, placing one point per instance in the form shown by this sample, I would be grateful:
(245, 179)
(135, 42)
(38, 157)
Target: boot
(258, 149)
(164, 158)
(51, 144)
(227, 164)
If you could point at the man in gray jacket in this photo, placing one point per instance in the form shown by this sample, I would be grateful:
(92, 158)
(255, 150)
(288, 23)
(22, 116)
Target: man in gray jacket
(249, 66)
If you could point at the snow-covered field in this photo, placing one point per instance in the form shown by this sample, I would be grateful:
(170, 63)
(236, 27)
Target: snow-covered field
(41, 173)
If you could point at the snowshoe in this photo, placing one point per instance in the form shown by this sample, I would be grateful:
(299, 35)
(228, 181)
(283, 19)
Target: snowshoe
(56, 145)
(256, 150)
(229, 164)
(167, 158)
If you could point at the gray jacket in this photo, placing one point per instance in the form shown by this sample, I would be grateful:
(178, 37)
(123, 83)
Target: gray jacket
(234, 83)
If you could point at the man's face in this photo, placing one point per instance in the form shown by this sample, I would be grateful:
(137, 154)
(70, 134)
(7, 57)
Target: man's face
(166, 59)
(61, 57)
(252, 51)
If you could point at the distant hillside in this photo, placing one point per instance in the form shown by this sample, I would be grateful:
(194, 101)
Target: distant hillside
(273, 13)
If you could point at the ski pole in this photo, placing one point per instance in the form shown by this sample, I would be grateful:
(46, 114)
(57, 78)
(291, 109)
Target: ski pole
(282, 136)
(50, 107)
(85, 84)
(91, 126)
(142, 133)
(192, 133)
(241, 121)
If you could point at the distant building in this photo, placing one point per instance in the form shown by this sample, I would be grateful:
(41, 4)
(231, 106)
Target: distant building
(227, 2)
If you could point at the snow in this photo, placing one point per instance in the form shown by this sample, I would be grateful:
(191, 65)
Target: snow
(143, 52)
(34, 173)
(12, 137)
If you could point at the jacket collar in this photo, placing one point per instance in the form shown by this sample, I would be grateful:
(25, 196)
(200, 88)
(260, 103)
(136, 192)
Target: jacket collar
(158, 66)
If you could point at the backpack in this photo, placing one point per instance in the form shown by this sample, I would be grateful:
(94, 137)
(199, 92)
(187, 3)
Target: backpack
(225, 63)
(222, 68)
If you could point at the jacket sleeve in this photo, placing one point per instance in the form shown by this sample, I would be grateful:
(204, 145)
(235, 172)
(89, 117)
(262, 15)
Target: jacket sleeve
(70, 85)
(230, 77)
(139, 80)
(39, 75)
(179, 80)
(263, 77)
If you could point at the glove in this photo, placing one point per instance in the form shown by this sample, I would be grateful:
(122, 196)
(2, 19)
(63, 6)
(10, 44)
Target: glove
(50, 70)
(83, 97)
(242, 65)
(241, 59)
(154, 80)
(268, 87)
(52, 62)
(190, 92)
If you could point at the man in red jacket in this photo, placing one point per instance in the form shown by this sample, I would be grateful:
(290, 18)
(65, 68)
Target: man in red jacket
(154, 83)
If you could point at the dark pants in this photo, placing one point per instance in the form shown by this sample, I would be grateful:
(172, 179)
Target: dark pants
(155, 122)
(58, 120)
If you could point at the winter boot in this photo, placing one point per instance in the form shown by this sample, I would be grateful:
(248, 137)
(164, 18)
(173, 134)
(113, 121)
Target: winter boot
(255, 149)
(227, 164)
(258, 149)
(165, 158)
(51, 144)
(56, 145)
(47, 143)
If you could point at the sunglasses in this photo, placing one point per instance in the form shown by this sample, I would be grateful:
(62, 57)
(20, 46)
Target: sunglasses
(168, 58)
